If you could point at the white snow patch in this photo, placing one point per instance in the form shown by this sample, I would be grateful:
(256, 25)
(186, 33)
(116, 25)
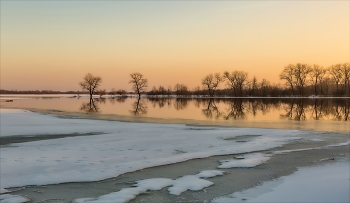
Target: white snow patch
(189, 182)
(154, 183)
(124, 147)
(247, 160)
(328, 183)
(317, 140)
(209, 173)
(8, 198)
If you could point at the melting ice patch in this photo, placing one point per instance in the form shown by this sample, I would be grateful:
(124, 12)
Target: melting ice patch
(189, 182)
(247, 160)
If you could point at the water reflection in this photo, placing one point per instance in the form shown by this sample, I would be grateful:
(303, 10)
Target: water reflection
(90, 107)
(295, 111)
(160, 102)
(120, 99)
(139, 108)
(231, 109)
(211, 111)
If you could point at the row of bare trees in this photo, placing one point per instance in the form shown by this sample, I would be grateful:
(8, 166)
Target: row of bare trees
(300, 80)
(238, 84)
(92, 83)
(334, 80)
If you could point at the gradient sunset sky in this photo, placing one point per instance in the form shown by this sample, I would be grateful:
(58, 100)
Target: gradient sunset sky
(51, 45)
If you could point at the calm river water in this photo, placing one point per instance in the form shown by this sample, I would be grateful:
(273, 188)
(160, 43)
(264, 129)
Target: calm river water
(314, 114)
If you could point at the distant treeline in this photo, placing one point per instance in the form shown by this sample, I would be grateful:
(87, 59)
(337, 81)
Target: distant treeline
(40, 92)
(299, 79)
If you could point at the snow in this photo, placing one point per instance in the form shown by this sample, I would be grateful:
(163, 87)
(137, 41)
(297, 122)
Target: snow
(116, 147)
(247, 160)
(209, 174)
(327, 183)
(189, 182)
(8, 198)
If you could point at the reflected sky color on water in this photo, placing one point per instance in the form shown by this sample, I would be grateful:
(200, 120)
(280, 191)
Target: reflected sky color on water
(226, 111)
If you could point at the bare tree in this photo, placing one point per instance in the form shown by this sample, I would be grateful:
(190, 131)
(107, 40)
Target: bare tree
(301, 71)
(181, 89)
(236, 80)
(336, 73)
(197, 91)
(264, 86)
(345, 69)
(121, 92)
(139, 83)
(168, 91)
(211, 82)
(288, 75)
(112, 92)
(90, 83)
(101, 92)
(253, 86)
(317, 73)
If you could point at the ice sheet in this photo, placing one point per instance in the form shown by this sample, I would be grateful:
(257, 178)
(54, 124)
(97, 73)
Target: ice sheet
(124, 147)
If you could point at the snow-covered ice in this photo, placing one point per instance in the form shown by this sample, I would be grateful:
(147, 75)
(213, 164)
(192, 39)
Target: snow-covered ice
(247, 160)
(122, 147)
(328, 183)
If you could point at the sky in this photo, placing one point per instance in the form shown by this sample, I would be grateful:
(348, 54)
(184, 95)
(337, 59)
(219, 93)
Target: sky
(51, 45)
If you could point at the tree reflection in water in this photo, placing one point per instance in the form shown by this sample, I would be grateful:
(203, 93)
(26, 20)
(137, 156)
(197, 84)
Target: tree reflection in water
(341, 110)
(295, 109)
(318, 109)
(160, 101)
(90, 107)
(181, 103)
(211, 110)
(237, 110)
(119, 99)
(139, 108)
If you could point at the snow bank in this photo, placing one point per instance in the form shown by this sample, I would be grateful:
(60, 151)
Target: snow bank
(328, 183)
(247, 160)
(124, 147)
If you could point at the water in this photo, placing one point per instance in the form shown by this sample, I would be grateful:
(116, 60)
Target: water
(314, 114)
